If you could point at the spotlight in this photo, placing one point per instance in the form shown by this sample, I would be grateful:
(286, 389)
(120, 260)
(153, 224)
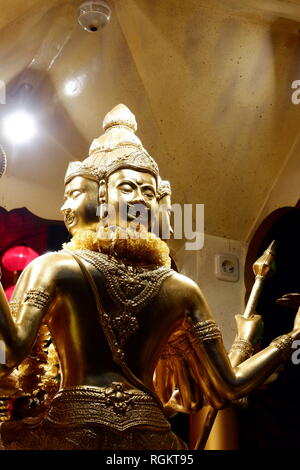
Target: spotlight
(74, 86)
(19, 127)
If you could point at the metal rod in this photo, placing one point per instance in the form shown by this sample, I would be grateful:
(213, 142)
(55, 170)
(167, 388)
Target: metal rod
(208, 424)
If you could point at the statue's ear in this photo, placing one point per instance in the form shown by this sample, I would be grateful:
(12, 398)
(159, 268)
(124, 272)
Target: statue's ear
(102, 210)
(164, 202)
(165, 227)
(102, 192)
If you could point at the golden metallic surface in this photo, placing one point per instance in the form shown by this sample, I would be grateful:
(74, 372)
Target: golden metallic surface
(115, 406)
(262, 269)
(265, 264)
(129, 335)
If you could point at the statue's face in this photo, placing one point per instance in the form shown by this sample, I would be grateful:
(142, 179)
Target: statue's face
(137, 191)
(80, 204)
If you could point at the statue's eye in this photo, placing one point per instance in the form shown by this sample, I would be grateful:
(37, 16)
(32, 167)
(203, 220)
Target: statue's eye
(75, 193)
(125, 188)
(149, 193)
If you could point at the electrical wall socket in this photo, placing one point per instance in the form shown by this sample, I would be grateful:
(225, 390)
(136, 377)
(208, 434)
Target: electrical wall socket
(227, 267)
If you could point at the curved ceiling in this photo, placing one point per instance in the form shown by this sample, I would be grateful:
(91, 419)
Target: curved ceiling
(209, 83)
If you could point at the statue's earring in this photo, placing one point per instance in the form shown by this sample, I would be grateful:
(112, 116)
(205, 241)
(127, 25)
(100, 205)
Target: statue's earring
(103, 212)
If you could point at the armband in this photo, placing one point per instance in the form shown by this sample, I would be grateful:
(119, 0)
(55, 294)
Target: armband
(205, 331)
(284, 344)
(243, 346)
(38, 298)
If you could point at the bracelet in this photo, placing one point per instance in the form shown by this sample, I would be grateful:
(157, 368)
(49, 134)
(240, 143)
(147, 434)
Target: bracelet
(38, 298)
(14, 306)
(243, 346)
(205, 331)
(283, 343)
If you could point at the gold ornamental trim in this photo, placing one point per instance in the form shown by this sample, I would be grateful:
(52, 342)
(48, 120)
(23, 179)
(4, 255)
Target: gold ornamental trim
(114, 406)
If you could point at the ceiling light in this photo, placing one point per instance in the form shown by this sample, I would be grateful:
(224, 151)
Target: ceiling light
(19, 127)
(74, 87)
(93, 15)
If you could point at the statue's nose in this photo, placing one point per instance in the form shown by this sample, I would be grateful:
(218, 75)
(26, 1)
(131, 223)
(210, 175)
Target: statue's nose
(139, 198)
(140, 205)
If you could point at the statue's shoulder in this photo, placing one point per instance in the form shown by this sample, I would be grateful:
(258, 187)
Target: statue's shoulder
(52, 264)
(180, 280)
(45, 260)
(55, 259)
(183, 288)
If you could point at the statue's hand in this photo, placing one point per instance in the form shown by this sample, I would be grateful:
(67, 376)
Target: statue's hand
(291, 301)
(250, 329)
(297, 320)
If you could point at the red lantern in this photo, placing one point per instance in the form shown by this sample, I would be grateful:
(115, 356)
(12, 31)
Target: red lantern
(18, 257)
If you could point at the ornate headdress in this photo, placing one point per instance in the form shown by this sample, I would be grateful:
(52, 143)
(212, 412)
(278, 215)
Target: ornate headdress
(117, 148)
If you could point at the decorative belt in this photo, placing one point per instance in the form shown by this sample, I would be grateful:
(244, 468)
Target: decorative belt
(113, 406)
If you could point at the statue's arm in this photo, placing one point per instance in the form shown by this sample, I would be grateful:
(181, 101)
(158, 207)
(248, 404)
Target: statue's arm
(32, 299)
(249, 333)
(221, 381)
(174, 377)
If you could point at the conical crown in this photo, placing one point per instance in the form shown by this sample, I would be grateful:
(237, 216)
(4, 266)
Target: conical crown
(120, 127)
(117, 148)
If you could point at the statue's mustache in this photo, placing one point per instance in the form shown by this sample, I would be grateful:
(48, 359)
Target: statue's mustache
(139, 209)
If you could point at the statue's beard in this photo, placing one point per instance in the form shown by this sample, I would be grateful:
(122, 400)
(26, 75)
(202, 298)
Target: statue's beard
(142, 247)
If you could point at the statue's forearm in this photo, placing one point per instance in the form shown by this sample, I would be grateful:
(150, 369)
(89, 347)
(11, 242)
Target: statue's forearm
(32, 299)
(221, 381)
(249, 333)
(259, 367)
(224, 381)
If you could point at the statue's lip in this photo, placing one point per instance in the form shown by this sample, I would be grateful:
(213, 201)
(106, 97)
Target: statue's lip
(70, 219)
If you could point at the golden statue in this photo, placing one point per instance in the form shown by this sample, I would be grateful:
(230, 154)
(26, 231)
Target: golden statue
(136, 341)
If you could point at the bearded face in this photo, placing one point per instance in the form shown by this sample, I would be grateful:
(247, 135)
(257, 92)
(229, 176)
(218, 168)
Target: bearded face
(133, 190)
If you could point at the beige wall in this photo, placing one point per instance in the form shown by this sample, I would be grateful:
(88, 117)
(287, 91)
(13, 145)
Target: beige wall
(41, 201)
(224, 298)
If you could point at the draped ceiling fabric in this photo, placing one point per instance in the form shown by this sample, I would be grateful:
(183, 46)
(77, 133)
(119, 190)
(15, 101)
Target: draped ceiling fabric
(210, 83)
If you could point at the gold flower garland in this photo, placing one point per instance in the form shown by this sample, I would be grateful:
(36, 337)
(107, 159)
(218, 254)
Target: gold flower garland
(134, 246)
